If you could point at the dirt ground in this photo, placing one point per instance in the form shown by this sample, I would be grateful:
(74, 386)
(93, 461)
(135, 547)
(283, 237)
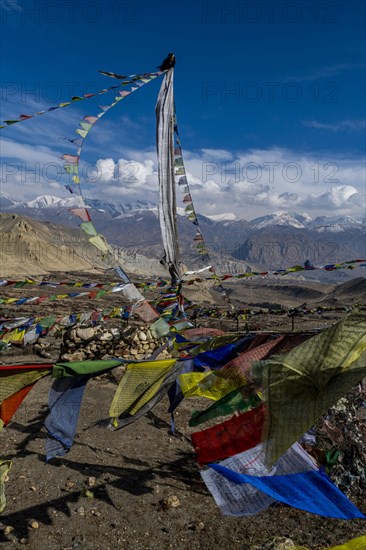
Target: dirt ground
(108, 492)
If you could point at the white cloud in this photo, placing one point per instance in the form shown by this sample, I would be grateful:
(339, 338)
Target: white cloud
(342, 126)
(247, 183)
(11, 5)
(326, 71)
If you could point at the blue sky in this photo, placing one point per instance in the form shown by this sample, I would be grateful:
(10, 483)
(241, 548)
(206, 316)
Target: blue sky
(269, 97)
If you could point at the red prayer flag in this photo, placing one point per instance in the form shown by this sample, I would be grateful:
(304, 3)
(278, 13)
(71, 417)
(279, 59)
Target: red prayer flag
(91, 119)
(31, 366)
(81, 213)
(9, 406)
(233, 436)
(241, 365)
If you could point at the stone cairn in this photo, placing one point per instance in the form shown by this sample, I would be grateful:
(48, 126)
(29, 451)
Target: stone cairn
(80, 344)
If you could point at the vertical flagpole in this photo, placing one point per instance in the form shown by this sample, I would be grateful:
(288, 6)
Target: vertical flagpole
(165, 120)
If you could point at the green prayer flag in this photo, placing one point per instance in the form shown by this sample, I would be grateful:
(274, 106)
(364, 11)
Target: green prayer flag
(88, 228)
(71, 168)
(230, 403)
(61, 370)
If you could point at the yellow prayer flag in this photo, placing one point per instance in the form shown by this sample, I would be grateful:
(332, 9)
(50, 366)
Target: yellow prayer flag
(138, 385)
(207, 384)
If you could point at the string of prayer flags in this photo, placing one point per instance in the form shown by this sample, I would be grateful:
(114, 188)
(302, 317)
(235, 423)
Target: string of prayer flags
(84, 215)
(130, 80)
(71, 167)
(29, 330)
(230, 437)
(181, 180)
(144, 77)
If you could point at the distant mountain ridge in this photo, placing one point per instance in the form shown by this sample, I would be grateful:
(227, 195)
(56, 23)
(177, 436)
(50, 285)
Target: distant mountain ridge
(118, 209)
(50, 201)
(275, 241)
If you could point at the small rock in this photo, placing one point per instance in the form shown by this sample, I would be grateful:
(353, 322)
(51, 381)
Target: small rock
(81, 511)
(23, 541)
(33, 488)
(105, 337)
(69, 484)
(77, 356)
(171, 502)
(85, 333)
(43, 353)
(142, 336)
(115, 332)
(8, 529)
(91, 481)
(34, 524)
(197, 526)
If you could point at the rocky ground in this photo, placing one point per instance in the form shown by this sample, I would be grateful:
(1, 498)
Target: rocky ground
(140, 487)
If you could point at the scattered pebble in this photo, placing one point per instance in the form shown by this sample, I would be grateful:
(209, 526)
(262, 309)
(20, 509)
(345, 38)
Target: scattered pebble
(34, 524)
(196, 526)
(91, 481)
(171, 502)
(8, 529)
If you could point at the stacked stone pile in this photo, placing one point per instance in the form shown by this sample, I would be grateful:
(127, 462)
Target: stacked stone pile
(134, 343)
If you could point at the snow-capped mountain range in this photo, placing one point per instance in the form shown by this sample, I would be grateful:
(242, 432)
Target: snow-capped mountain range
(304, 221)
(112, 209)
(269, 242)
(333, 224)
